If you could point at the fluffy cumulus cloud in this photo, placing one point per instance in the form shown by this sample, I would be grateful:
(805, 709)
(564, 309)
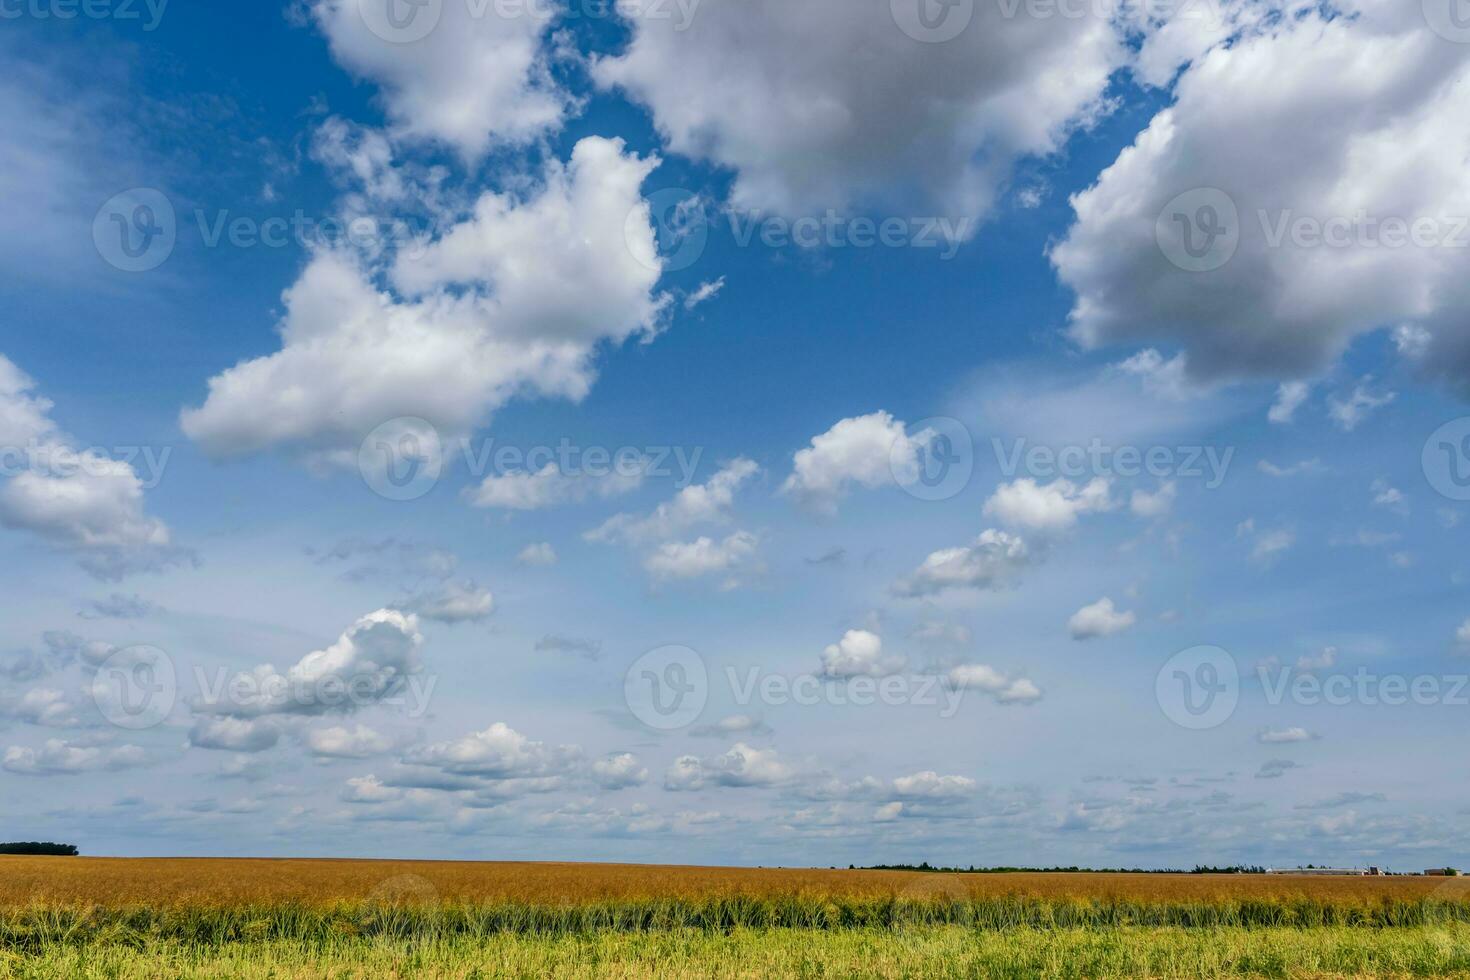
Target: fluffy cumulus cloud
(732, 558)
(987, 680)
(339, 742)
(619, 771)
(549, 487)
(693, 506)
(57, 757)
(1053, 507)
(43, 706)
(991, 562)
(497, 753)
(866, 451)
(513, 299)
(1342, 202)
(742, 766)
(1100, 619)
(81, 501)
(826, 104)
(369, 663)
(458, 73)
(858, 654)
(453, 602)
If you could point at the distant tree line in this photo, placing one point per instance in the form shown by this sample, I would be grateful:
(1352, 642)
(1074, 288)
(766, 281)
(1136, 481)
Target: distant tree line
(1199, 869)
(39, 847)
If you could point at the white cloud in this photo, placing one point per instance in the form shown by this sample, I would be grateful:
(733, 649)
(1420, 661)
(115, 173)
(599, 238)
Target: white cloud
(43, 706)
(1282, 736)
(694, 505)
(1166, 378)
(1264, 119)
(58, 757)
(1156, 504)
(930, 785)
(472, 82)
(549, 487)
(1462, 635)
(743, 765)
(538, 555)
(513, 300)
(453, 603)
(731, 725)
(1325, 660)
(619, 771)
(81, 501)
(1054, 507)
(1289, 397)
(1388, 496)
(869, 450)
(991, 562)
(368, 663)
(680, 560)
(1306, 466)
(231, 734)
(1004, 689)
(888, 812)
(338, 742)
(1349, 412)
(497, 753)
(1266, 544)
(1098, 620)
(370, 789)
(824, 104)
(858, 654)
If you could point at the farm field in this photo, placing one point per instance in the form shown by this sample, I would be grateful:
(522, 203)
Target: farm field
(288, 918)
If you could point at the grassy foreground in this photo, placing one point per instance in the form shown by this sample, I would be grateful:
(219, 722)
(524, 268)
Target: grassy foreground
(921, 951)
(76, 917)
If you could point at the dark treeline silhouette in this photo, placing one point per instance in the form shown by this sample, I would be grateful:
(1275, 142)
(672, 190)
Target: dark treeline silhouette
(1199, 869)
(39, 847)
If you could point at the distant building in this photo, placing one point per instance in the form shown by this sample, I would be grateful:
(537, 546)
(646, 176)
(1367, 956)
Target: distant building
(1338, 872)
(1441, 872)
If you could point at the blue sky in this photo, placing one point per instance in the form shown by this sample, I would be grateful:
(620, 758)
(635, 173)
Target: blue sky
(839, 289)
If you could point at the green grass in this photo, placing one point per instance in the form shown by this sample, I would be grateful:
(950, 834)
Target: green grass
(916, 951)
(34, 927)
(796, 935)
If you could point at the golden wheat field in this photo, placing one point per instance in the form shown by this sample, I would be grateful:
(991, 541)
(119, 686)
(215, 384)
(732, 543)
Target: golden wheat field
(112, 917)
(224, 881)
